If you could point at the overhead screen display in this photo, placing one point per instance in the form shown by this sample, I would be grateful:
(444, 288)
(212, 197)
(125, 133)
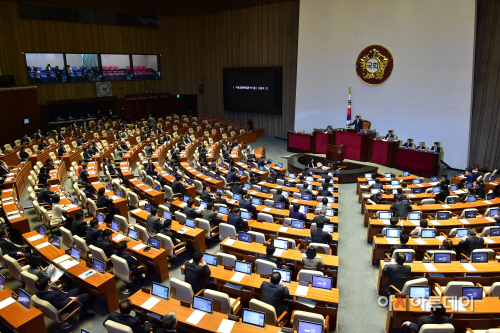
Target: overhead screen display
(253, 89)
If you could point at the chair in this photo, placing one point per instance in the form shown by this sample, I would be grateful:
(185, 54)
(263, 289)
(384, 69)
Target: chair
(14, 268)
(291, 242)
(453, 288)
(30, 280)
(491, 253)
(181, 290)
(270, 313)
(310, 317)
(468, 210)
(94, 211)
(81, 245)
(321, 248)
(486, 231)
(123, 272)
(265, 217)
(114, 327)
(134, 200)
(67, 237)
(226, 259)
(57, 316)
(226, 230)
(142, 232)
(98, 253)
(205, 225)
(264, 267)
(487, 212)
(410, 283)
(123, 223)
(437, 328)
(493, 290)
(221, 302)
(306, 275)
(428, 201)
(168, 245)
(257, 237)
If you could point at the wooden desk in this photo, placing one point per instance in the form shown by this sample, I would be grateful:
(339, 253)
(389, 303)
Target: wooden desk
(489, 273)
(209, 323)
(18, 177)
(156, 198)
(21, 222)
(65, 201)
(195, 236)
(209, 181)
(19, 319)
(383, 181)
(119, 203)
(101, 285)
(73, 156)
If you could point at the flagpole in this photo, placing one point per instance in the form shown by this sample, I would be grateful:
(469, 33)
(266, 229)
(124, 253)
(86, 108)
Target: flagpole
(349, 109)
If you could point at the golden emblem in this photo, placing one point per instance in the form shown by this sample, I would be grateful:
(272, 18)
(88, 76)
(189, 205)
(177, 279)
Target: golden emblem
(373, 65)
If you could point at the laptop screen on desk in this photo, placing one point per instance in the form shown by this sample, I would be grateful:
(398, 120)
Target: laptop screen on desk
(443, 216)
(246, 215)
(442, 258)
(306, 197)
(417, 190)
(248, 186)
(451, 201)
(453, 187)
(329, 212)
(490, 196)
(374, 191)
(495, 231)
(279, 205)
(264, 189)
(394, 182)
(100, 218)
(414, 215)
(470, 214)
(392, 232)
(159, 290)
(420, 291)
(42, 231)
(371, 182)
(256, 201)
(24, 298)
(280, 165)
(280, 243)
(395, 191)
(416, 181)
(385, 215)
(471, 198)
(368, 175)
(167, 215)
(245, 237)
(296, 224)
(210, 259)
(223, 210)
(468, 185)
(428, 233)
(147, 208)
(75, 253)
(473, 292)
(202, 304)
(237, 196)
(115, 226)
(436, 189)
(291, 175)
(286, 275)
(243, 267)
(56, 242)
(310, 178)
(479, 257)
(461, 232)
(98, 265)
(254, 317)
(307, 327)
(388, 175)
(154, 243)
(322, 282)
(190, 223)
(132, 234)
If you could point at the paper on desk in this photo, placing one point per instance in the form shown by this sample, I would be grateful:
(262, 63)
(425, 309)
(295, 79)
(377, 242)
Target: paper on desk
(229, 241)
(209, 178)
(446, 206)
(420, 241)
(261, 183)
(267, 209)
(364, 186)
(464, 221)
(152, 301)
(425, 304)
(456, 304)
(366, 195)
(149, 189)
(295, 200)
(56, 274)
(301, 290)
(305, 301)
(429, 267)
(93, 183)
(489, 218)
(488, 202)
(434, 222)
(135, 211)
(488, 240)
(386, 221)
(68, 264)
(411, 195)
(39, 246)
(460, 192)
(392, 241)
(34, 238)
(139, 247)
(468, 267)
(119, 237)
(253, 192)
(182, 204)
(88, 273)
(282, 229)
(441, 238)
(225, 326)
(6, 302)
(237, 277)
(278, 252)
(420, 185)
(195, 317)
(433, 183)
(415, 222)
(183, 231)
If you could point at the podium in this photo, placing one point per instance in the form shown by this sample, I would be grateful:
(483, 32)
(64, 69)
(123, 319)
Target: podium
(335, 153)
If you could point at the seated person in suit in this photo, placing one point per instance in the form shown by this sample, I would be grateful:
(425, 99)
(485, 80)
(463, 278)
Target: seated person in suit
(398, 274)
(408, 144)
(78, 226)
(400, 194)
(247, 204)
(103, 201)
(153, 222)
(393, 224)
(13, 250)
(218, 199)
(59, 299)
(168, 324)
(311, 261)
(238, 189)
(377, 198)
(471, 242)
(124, 318)
(232, 177)
(61, 151)
(177, 185)
(273, 292)
(390, 134)
(421, 145)
(235, 220)
(444, 179)
(25, 140)
(270, 249)
(205, 195)
(438, 316)
(261, 162)
(104, 242)
(135, 266)
(324, 204)
(35, 267)
(167, 224)
(279, 197)
(401, 208)
(403, 240)
(92, 232)
(45, 195)
(23, 155)
(318, 235)
(211, 215)
(84, 174)
(424, 224)
(296, 214)
(321, 217)
(443, 193)
(195, 272)
(479, 189)
(43, 176)
(150, 168)
(324, 192)
(189, 210)
(377, 185)
(436, 147)
(90, 192)
(87, 154)
(470, 192)
(447, 245)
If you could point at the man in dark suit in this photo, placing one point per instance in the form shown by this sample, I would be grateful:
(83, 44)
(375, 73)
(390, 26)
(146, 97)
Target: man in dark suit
(401, 208)
(210, 215)
(408, 144)
(150, 168)
(273, 292)
(59, 299)
(38, 135)
(321, 217)
(104, 242)
(168, 324)
(232, 177)
(61, 151)
(218, 199)
(399, 195)
(403, 240)
(78, 227)
(377, 198)
(103, 201)
(245, 203)
(205, 195)
(377, 185)
(153, 222)
(92, 232)
(167, 224)
(444, 179)
(25, 140)
(358, 124)
(195, 273)
(135, 266)
(270, 249)
(320, 236)
(471, 242)
(235, 220)
(398, 274)
(45, 195)
(393, 225)
(438, 316)
(8, 247)
(177, 186)
(421, 145)
(279, 197)
(296, 214)
(479, 189)
(84, 174)
(261, 162)
(237, 189)
(390, 134)
(189, 210)
(23, 155)
(436, 147)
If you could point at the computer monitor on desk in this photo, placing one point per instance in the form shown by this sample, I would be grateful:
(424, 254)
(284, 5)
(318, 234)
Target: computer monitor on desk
(159, 290)
(322, 282)
(479, 257)
(385, 215)
(280, 243)
(202, 304)
(309, 327)
(392, 232)
(442, 258)
(255, 318)
(414, 216)
(210, 259)
(420, 291)
(286, 275)
(243, 267)
(245, 237)
(237, 196)
(475, 293)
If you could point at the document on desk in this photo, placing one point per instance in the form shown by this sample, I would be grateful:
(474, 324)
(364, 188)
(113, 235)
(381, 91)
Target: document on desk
(446, 206)
(283, 229)
(456, 304)
(415, 222)
(305, 301)
(278, 252)
(119, 237)
(39, 246)
(68, 264)
(183, 231)
(6, 302)
(295, 200)
(366, 195)
(195, 317)
(433, 183)
(441, 238)
(489, 218)
(488, 240)
(136, 211)
(411, 195)
(267, 209)
(392, 241)
(207, 179)
(301, 291)
(261, 183)
(152, 301)
(488, 202)
(139, 247)
(420, 241)
(420, 185)
(34, 238)
(237, 277)
(384, 221)
(253, 193)
(464, 221)
(229, 242)
(279, 186)
(468, 267)
(434, 222)
(429, 267)
(88, 273)
(226, 326)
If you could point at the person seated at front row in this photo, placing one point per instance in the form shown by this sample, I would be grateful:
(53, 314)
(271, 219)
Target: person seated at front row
(390, 134)
(124, 318)
(438, 316)
(408, 144)
(296, 214)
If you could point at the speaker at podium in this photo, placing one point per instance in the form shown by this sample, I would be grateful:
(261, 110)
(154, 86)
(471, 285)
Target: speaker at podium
(335, 153)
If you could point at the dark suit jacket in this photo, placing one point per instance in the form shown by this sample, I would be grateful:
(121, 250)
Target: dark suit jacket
(104, 201)
(84, 176)
(247, 205)
(428, 320)
(376, 186)
(177, 187)
(190, 212)
(105, 246)
(358, 125)
(239, 190)
(153, 224)
(280, 198)
(171, 235)
(273, 293)
(231, 177)
(61, 151)
(92, 235)
(237, 222)
(133, 264)
(9, 248)
(320, 218)
(78, 228)
(194, 275)
(324, 193)
(211, 217)
(205, 197)
(90, 195)
(398, 275)
(480, 192)
(472, 243)
(268, 258)
(401, 209)
(220, 201)
(133, 322)
(45, 196)
(375, 199)
(57, 298)
(320, 236)
(297, 215)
